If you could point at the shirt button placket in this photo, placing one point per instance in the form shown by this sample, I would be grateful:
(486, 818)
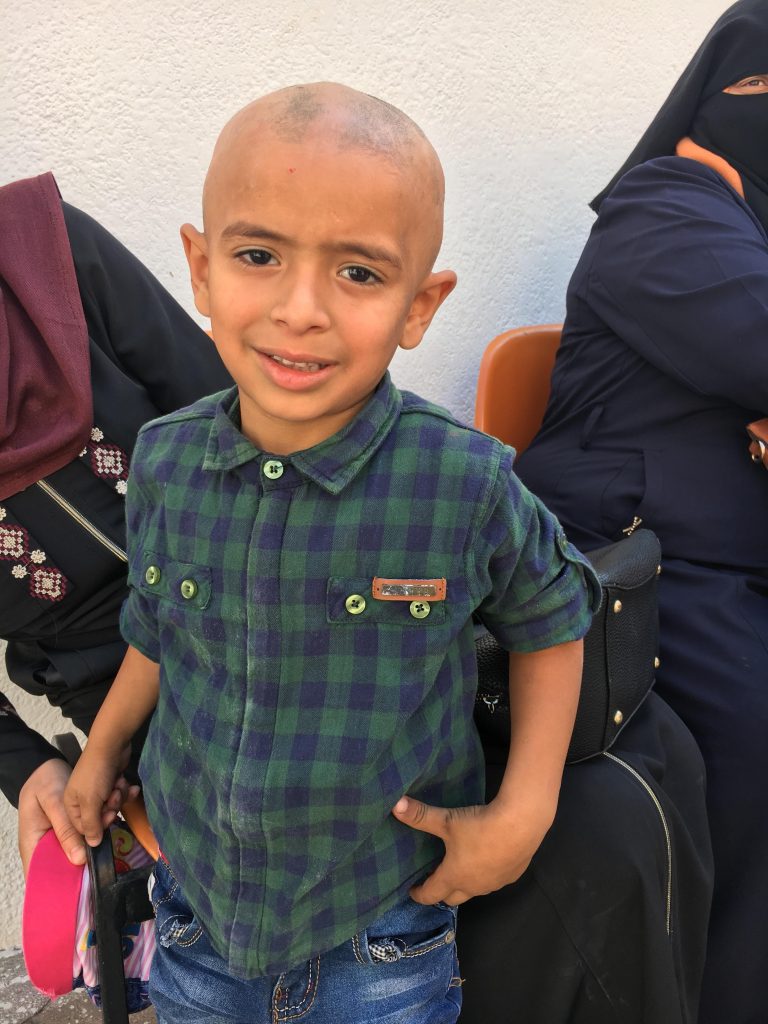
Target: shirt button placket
(262, 516)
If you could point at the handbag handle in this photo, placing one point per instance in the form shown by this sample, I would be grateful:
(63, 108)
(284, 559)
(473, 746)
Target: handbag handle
(758, 446)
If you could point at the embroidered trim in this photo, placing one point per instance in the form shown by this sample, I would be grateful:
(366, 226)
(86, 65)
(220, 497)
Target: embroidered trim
(46, 582)
(107, 461)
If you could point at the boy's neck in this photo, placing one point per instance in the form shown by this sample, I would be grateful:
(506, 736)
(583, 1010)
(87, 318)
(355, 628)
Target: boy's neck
(286, 437)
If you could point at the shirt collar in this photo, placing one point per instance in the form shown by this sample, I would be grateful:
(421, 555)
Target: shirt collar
(333, 463)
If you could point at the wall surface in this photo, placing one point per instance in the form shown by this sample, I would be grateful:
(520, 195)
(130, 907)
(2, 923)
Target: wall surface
(532, 107)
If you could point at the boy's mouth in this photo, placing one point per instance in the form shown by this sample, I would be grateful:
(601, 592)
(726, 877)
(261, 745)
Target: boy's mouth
(304, 367)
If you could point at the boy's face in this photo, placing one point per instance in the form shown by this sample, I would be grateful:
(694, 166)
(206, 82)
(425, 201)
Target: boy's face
(314, 268)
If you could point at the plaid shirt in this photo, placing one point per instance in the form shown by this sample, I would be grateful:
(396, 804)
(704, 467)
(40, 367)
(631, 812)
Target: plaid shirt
(295, 707)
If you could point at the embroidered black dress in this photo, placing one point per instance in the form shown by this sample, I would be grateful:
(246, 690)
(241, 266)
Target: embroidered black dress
(62, 540)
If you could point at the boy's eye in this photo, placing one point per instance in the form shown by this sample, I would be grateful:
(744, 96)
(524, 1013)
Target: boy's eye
(360, 275)
(256, 257)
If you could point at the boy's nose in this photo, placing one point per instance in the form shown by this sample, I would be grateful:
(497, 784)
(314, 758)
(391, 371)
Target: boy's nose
(299, 305)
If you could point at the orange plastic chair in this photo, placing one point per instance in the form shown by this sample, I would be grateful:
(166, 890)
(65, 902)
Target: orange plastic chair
(513, 384)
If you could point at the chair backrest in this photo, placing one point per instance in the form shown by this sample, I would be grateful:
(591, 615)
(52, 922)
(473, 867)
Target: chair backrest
(513, 384)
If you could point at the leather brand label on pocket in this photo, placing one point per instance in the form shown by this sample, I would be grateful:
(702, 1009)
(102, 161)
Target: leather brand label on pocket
(408, 590)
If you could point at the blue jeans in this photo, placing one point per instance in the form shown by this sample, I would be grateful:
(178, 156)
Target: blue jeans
(401, 970)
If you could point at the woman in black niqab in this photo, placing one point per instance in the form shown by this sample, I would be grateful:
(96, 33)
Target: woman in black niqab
(733, 127)
(661, 366)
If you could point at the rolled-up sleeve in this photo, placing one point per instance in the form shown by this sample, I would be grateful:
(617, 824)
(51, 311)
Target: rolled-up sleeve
(537, 589)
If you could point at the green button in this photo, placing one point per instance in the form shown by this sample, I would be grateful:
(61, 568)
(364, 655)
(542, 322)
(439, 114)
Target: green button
(420, 609)
(188, 589)
(355, 604)
(152, 575)
(273, 469)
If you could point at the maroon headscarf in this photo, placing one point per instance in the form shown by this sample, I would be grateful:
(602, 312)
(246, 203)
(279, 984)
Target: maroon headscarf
(46, 409)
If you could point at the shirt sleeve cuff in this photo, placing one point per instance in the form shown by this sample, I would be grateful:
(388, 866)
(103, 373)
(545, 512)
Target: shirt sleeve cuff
(560, 612)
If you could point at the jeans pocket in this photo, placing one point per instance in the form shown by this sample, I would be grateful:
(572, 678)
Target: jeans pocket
(408, 930)
(175, 921)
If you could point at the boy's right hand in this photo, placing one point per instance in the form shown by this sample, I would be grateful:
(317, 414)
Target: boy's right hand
(96, 791)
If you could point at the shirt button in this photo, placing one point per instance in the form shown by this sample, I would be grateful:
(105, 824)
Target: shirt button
(188, 589)
(152, 575)
(420, 609)
(273, 469)
(355, 604)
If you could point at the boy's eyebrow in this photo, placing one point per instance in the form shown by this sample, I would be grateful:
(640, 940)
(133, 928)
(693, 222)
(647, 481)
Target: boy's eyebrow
(374, 253)
(244, 229)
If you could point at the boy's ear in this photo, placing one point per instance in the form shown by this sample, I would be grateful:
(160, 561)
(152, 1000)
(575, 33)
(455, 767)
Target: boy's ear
(432, 291)
(196, 251)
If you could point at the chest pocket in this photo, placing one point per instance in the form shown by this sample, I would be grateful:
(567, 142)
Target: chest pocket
(350, 602)
(182, 583)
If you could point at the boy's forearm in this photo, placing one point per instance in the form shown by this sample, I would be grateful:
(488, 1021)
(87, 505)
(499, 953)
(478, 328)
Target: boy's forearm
(488, 846)
(544, 692)
(131, 699)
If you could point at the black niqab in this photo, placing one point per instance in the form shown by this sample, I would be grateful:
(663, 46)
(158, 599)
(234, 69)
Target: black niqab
(736, 46)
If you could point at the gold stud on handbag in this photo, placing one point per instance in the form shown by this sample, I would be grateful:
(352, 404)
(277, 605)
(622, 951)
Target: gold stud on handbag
(758, 446)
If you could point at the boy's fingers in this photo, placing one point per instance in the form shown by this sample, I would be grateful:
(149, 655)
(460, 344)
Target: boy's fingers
(69, 838)
(421, 816)
(107, 818)
(90, 822)
(438, 888)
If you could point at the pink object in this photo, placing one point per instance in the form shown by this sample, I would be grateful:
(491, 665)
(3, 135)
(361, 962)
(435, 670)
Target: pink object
(49, 923)
(57, 926)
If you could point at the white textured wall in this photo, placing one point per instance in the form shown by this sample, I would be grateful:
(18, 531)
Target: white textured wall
(531, 105)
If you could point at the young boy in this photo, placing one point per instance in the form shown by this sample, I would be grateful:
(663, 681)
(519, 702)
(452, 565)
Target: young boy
(306, 555)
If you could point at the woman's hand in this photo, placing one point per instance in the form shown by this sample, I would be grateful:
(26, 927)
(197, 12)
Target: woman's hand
(41, 807)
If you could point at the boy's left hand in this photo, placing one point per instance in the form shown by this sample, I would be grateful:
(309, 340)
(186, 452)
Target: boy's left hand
(486, 846)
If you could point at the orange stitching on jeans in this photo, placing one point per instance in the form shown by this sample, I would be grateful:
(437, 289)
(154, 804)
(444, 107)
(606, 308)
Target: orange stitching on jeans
(295, 1016)
(421, 952)
(193, 940)
(168, 895)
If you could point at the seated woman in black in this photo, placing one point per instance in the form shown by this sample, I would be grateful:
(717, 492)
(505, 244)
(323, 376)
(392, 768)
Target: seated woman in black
(91, 347)
(661, 366)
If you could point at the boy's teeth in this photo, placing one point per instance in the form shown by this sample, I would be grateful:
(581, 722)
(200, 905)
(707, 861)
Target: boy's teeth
(309, 367)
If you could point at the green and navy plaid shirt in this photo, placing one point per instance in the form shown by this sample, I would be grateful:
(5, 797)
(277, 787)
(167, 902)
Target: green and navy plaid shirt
(296, 706)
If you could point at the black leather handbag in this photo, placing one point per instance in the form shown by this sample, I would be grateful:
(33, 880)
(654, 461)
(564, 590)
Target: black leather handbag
(620, 654)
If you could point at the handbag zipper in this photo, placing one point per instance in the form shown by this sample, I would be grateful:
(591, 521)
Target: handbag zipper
(667, 836)
(86, 524)
(491, 700)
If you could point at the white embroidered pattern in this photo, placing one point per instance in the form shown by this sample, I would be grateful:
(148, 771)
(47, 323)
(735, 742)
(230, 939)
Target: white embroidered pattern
(45, 581)
(108, 461)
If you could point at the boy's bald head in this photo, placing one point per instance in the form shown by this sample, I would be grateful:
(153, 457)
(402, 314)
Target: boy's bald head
(323, 216)
(327, 114)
